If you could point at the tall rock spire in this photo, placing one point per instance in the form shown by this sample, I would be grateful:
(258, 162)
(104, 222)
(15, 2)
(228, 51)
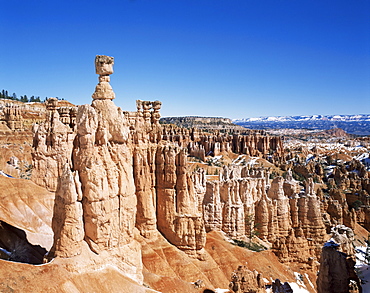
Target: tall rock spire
(103, 67)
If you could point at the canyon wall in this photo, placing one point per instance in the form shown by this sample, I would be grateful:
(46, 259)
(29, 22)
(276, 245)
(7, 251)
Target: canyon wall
(114, 170)
(117, 173)
(201, 143)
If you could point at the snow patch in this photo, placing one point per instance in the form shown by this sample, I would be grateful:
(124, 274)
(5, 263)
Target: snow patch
(297, 289)
(309, 158)
(5, 175)
(309, 281)
(299, 279)
(362, 268)
(8, 253)
(218, 290)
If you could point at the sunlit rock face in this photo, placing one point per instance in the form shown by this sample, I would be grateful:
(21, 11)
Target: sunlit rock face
(244, 202)
(178, 216)
(52, 147)
(111, 175)
(117, 173)
(203, 143)
(91, 172)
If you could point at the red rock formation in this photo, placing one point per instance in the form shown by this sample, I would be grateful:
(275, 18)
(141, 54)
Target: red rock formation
(245, 206)
(68, 226)
(200, 143)
(13, 117)
(91, 171)
(178, 216)
(116, 171)
(111, 174)
(53, 143)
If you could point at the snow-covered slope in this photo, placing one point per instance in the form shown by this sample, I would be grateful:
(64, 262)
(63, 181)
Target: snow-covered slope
(358, 117)
(355, 124)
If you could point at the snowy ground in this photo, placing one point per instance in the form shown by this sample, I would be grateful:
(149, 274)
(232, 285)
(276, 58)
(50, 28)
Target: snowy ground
(4, 174)
(295, 287)
(299, 287)
(218, 290)
(363, 269)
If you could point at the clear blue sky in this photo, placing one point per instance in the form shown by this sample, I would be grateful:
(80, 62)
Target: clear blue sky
(230, 58)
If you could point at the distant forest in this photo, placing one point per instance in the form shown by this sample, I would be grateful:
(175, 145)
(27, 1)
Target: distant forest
(5, 95)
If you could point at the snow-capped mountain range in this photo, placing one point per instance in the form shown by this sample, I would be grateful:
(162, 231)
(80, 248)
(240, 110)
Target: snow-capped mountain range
(356, 124)
(358, 117)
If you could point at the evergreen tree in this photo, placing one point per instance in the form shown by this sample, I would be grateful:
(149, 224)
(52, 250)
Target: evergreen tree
(4, 95)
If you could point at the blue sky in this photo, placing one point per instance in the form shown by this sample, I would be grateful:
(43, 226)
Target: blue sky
(230, 58)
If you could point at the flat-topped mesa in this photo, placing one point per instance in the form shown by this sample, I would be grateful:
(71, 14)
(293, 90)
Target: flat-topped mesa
(103, 67)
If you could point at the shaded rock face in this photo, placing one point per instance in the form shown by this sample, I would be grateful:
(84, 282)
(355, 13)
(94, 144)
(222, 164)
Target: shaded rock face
(278, 287)
(337, 268)
(334, 272)
(246, 281)
(14, 246)
(167, 198)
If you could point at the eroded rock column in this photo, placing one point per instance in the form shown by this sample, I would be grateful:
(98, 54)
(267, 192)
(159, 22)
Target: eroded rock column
(178, 214)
